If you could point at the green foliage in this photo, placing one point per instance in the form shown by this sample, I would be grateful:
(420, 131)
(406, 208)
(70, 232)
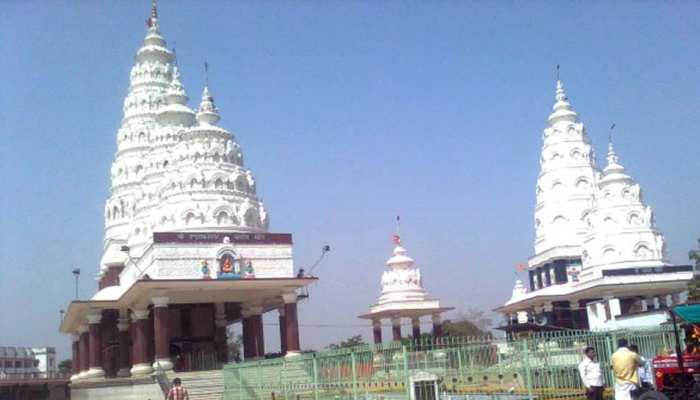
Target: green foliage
(65, 366)
(694, 284)
(471, 322)
(352, 341)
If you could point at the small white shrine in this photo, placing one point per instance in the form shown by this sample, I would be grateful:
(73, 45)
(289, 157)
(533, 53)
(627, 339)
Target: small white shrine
(403, 296)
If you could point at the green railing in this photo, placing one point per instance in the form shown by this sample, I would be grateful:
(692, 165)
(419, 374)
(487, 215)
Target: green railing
(542, 366)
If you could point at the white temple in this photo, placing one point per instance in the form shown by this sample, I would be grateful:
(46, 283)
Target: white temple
(403, 296)
(599, 257)
(187, 250)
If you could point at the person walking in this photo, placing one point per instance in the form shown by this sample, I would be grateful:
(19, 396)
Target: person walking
(591, 375)
(624, 364)
(177, 392)
(646, 379)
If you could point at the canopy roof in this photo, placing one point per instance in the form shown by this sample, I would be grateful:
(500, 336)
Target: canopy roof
(688, 312)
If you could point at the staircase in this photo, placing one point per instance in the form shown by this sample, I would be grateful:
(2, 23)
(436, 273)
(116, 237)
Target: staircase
(202, 385)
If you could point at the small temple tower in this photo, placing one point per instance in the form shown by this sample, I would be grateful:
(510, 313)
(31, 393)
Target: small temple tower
(403, 296)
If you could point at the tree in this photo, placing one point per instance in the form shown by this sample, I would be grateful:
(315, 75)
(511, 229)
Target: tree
(471, 322)
(352, 341)
(694, 284)
(234, 344)
(65, 366)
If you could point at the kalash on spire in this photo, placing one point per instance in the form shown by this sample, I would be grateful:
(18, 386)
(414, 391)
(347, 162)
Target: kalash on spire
(186, 241)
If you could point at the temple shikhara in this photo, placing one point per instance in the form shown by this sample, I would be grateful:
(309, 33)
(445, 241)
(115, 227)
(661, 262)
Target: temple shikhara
(403, 297)
(187, 251)
(600, 261)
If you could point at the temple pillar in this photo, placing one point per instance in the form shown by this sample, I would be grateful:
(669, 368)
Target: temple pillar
(283, 330)
(415, 328)
(83, 350)
(291, 324)
(161, 334)
(220, 334)
(437, 325)
(76, 356)
(139, 346)
(377, 331)
(248, 350)
(95, 345)
(123, 338)
(396, 328)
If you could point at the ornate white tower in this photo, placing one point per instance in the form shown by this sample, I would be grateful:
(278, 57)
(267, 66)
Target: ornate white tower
(403, 296)
(174, 170)
(621, 228)
(565, 186)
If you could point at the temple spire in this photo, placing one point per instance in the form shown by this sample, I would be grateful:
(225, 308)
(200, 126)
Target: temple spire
(562, 109)
(207, 113)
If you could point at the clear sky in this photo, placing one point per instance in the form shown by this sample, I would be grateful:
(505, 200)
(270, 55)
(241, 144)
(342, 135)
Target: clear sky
(349, 112)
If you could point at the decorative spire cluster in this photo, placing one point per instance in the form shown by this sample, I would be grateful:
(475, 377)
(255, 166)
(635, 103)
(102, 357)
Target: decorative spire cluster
(174, 170)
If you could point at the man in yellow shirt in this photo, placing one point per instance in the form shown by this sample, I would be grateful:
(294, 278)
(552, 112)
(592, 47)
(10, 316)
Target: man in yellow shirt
(624, 364)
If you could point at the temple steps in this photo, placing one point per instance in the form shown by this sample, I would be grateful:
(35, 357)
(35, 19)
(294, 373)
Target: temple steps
(202, 385)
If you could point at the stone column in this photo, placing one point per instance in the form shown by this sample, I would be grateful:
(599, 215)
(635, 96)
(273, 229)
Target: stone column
(221, 340)
(161, 334)
(291, 324)
(283, 330)
(575, 308)
(377, 331)
(95, 345)
(76, 356)
(437, 325)
(83, 351)
(415, 328)
(141, 366)
(123, 332)
(396, 328)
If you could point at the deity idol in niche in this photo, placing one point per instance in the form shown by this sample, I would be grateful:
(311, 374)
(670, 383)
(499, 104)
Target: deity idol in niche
(227, 267)
(205, 270)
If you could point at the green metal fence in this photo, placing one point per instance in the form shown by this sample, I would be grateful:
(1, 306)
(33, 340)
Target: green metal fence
(542, 366)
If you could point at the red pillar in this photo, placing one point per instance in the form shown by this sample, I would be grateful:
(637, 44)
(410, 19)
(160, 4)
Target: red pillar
(95, 345)
(220, 334)
(377, 331)
(396, 328)
(161, 334)
(283, 331)
(259, 337)
(83, 350)
(141, 366)
(253, 340)
(76, 355)
(248, 332)
(291, 323)
(437, 326)
(415, 327)
(123, 332)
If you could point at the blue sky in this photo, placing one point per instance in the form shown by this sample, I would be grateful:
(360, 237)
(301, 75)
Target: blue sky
(348, 113)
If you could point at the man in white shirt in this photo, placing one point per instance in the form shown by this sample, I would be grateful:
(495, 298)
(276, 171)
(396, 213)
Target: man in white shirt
(591, 375)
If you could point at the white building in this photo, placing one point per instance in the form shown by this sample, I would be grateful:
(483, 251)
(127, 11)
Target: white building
(404, 297)
(599, 257)
(35, 362)
(187, 250)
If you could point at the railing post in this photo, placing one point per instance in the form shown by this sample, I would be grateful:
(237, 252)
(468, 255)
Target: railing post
(405, 371)
(353, 364)
(315, 366)
(528, 372)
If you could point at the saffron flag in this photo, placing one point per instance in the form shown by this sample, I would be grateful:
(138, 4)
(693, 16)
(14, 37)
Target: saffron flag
(520, 267)
(396, 239)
